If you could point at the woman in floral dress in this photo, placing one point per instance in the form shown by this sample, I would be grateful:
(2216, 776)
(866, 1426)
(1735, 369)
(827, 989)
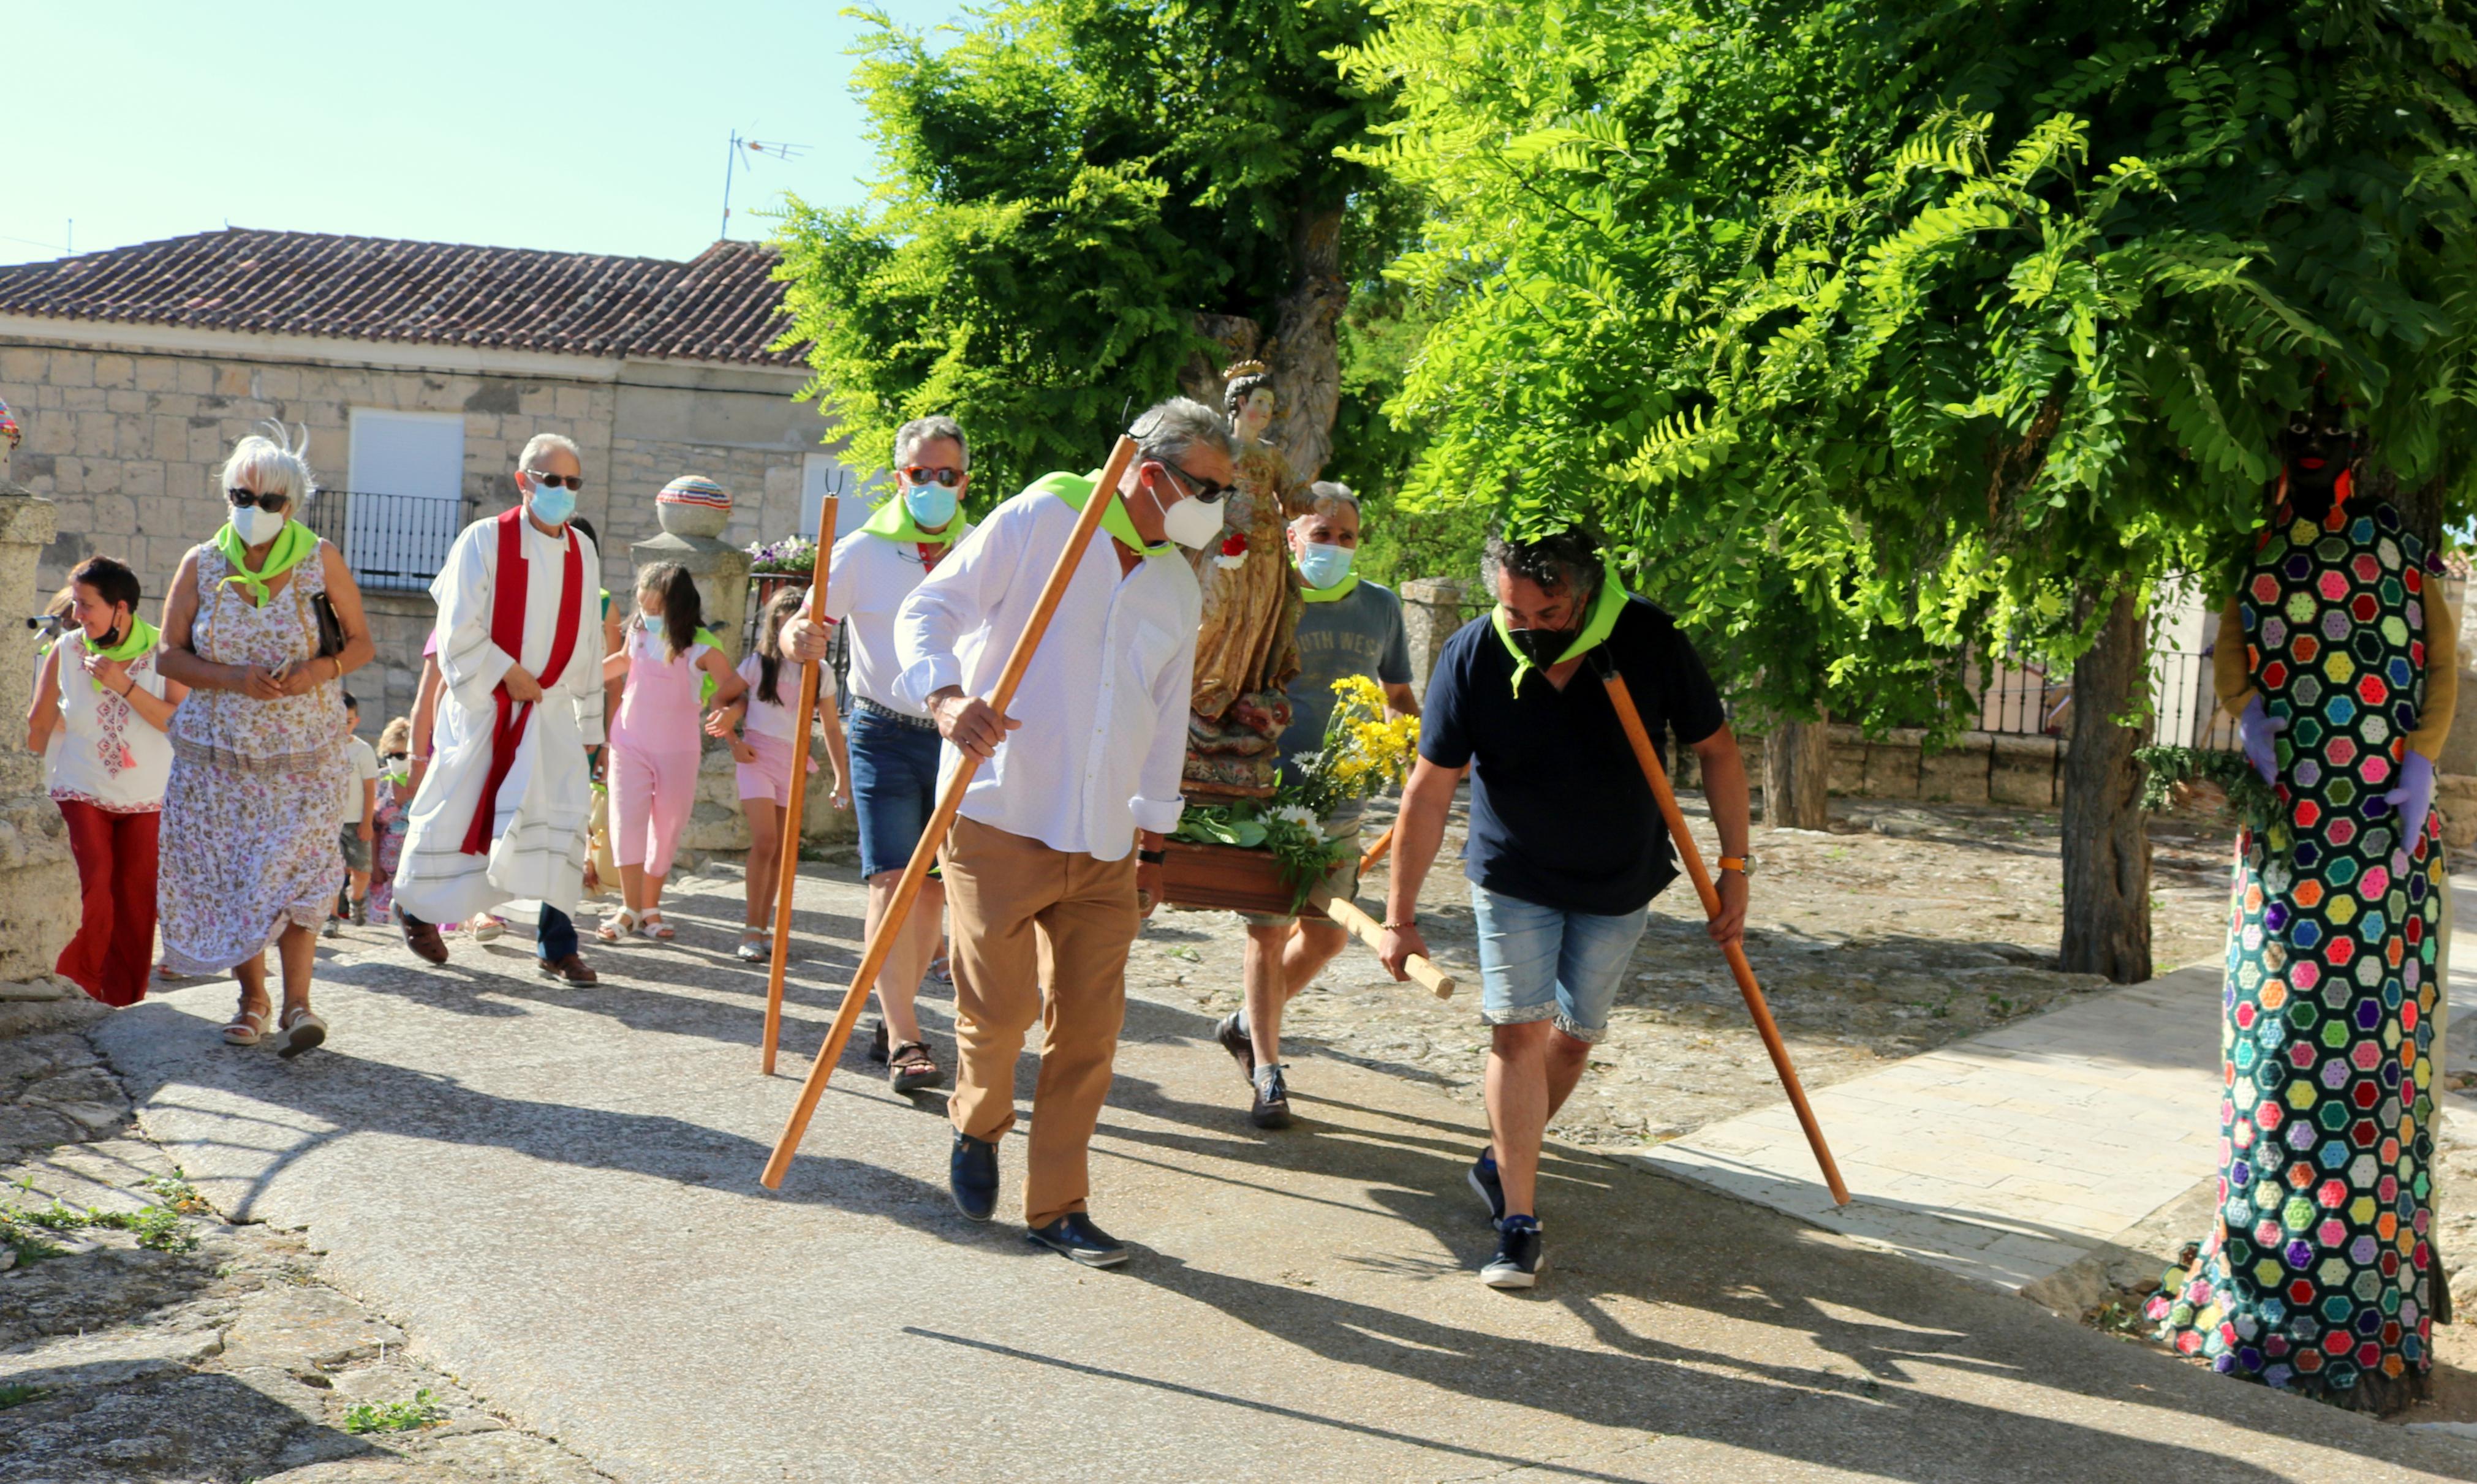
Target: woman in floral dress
(2337, 655)
(259, 749)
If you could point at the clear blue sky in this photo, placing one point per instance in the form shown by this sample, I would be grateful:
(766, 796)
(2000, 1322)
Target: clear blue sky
(587, 128)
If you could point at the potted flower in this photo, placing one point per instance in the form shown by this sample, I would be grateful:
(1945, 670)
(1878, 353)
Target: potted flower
(772, 565)
(1268, 856)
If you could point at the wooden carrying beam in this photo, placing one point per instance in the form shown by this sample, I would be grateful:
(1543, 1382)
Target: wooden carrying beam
(1383, 846)
(1735, 952)
(872, 958)
(788, 872)
(1368, 931)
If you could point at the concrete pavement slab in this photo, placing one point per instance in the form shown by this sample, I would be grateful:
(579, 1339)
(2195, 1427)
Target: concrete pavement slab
(554, 1191)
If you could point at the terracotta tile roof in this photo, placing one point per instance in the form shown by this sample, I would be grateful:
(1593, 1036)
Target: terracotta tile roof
(722, 305)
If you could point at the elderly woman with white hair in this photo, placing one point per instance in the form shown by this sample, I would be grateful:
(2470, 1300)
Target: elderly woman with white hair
(259, 751)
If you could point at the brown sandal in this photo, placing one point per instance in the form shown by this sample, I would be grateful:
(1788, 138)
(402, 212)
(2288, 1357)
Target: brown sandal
(911, 1068)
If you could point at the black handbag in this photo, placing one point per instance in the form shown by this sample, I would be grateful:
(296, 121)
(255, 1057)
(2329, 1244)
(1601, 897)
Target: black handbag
(331, 628)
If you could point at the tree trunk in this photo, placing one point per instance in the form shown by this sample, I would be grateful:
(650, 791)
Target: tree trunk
(1797, 773)
(2107, 840)
(1304, 350)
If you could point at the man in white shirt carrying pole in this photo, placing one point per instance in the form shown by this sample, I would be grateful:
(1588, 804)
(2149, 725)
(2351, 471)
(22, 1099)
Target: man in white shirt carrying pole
(894, 745)
(1046, 853)
(503, 811)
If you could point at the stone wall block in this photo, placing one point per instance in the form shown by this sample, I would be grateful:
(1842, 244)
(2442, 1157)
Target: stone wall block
(153, 372)
(1893, 765)
(1958, 774)
(2455, 796)
(2024, 771)
(115, 371)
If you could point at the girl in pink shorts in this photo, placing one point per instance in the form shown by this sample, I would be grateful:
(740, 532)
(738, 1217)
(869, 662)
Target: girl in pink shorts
(768, 718)
(655, 742)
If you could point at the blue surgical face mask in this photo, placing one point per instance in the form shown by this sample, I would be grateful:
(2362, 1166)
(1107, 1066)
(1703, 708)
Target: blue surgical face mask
(1323, 566)
(553, 503)
(930, 506)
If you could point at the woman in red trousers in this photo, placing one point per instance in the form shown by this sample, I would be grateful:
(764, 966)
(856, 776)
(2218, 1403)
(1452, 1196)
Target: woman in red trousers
(99, 713)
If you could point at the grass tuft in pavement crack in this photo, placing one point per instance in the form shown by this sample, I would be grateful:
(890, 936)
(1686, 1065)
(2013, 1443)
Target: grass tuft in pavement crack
(395, 1416)
(157, 1227)
(18, 1396)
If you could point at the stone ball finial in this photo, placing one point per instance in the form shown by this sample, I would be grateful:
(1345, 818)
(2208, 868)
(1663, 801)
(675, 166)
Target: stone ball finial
(693, 505)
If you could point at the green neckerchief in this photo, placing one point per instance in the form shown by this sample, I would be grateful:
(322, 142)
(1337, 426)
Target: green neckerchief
(893, 521)
(140, 640)
(1605, 606)
(1076, 488)
(1333, 594)
(707, 684)
(296, 544)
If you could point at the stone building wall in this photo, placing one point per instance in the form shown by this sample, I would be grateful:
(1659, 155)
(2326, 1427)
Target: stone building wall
(128, 440)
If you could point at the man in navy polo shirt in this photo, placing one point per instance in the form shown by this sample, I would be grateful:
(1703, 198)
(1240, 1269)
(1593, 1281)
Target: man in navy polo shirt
(1567, 847)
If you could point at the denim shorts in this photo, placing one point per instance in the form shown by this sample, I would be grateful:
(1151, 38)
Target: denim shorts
(894, 788)
(1536, 962)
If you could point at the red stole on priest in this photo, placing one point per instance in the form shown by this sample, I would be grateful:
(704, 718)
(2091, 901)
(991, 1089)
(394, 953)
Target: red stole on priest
(508, 632)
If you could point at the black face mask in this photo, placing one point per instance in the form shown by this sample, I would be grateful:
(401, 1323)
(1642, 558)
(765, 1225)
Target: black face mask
(1542, 647)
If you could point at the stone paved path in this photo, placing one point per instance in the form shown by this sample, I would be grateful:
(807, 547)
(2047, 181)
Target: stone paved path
(553, 1192)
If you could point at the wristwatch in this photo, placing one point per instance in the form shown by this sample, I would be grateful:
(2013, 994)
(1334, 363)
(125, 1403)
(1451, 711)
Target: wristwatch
(1744, 865)
(1151, 857)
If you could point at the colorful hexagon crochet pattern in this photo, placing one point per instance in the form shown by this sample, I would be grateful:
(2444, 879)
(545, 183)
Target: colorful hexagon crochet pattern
(2318, 1274)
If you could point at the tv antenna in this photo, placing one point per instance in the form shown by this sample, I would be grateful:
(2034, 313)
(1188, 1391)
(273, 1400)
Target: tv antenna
(735, 163)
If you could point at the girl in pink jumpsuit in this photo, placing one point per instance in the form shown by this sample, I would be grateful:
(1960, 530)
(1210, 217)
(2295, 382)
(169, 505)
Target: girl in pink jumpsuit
(655, 742)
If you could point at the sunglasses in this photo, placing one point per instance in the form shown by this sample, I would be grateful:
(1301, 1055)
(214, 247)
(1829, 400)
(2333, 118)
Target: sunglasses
(552, 481)
(243, 498)
(1206, 491)
(922, 474)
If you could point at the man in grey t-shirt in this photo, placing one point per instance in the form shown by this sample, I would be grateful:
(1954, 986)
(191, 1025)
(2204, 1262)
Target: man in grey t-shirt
(1349, 627)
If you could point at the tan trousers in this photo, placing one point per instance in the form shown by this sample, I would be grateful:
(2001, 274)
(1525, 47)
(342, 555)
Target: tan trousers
(1019, 911)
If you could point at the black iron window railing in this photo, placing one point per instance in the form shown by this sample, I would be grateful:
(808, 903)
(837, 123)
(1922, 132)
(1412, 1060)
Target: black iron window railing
(393, 543)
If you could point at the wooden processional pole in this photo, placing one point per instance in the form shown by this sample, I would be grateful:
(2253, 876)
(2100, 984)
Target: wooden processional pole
(1105, 489)
(787, 869)
(1735, 952)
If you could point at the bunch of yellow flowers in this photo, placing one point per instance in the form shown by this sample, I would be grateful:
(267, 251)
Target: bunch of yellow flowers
(1364, 750)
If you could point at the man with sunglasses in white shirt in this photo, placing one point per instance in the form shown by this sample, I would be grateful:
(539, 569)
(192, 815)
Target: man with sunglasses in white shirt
(894, 744)
(1056, 854)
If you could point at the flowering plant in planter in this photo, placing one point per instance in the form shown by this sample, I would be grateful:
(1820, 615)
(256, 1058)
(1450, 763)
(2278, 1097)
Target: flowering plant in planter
(796, 556)
(1364, 751)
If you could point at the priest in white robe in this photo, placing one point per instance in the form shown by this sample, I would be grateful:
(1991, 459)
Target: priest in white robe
(505, 808)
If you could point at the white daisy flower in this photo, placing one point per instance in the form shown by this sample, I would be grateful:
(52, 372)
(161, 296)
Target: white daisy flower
(1298, 814)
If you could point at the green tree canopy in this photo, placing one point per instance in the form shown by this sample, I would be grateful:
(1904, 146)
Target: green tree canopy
(1859, 320)
(1086, 203)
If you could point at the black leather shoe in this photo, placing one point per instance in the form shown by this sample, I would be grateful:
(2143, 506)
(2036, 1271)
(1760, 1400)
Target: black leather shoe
(1073, 1235)
(972, 1175)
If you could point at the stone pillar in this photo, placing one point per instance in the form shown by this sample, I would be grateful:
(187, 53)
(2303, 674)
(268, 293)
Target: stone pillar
(693, 511)
(1433, 607)
(38, 889)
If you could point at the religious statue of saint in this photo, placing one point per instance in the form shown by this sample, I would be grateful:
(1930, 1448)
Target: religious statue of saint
(1247, 650)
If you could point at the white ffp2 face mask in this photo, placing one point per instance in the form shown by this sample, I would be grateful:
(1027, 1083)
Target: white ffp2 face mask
(255, 526)
(1191, 523)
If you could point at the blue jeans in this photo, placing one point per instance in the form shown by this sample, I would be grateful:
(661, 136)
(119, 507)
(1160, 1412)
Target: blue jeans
(1536, 962)
(894, 788)
(555, 934)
